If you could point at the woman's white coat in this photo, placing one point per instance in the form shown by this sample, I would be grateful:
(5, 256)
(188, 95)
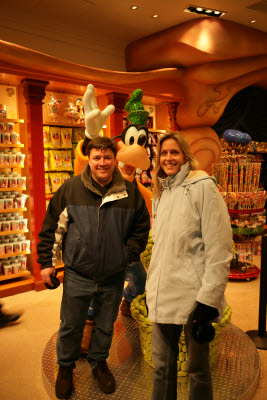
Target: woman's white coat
(192, 247)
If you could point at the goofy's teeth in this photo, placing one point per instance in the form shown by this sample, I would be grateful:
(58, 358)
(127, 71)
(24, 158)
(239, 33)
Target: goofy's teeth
(121, 164)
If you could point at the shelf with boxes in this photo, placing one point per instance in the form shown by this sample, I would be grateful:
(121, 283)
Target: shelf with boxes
(13, 226)
(59, 152)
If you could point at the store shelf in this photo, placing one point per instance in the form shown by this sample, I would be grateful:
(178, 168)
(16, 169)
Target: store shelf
(12, 166)
(19, 253)
(13, 276)
(255, 211)
(70, 125)
(20, 121)
(12, 210)
(247, 231)
(14, 189)
(4, 146)
(3, 233)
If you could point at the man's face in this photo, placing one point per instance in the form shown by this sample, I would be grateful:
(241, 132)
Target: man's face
(102, 164)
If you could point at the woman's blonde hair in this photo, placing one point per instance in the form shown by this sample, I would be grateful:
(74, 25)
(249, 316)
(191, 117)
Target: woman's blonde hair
(184, 146)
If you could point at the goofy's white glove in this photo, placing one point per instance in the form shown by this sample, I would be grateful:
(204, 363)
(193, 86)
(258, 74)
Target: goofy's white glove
(93, 117)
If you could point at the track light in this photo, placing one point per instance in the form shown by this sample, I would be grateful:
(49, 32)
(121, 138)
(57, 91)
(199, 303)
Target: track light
(204, 11)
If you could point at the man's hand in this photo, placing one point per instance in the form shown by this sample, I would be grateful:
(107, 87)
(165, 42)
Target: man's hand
(45, 275)
(94, 118)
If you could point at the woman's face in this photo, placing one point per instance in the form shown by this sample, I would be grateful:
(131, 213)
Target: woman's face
(171, 157)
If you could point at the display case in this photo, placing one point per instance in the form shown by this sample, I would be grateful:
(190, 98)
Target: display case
(14, 246)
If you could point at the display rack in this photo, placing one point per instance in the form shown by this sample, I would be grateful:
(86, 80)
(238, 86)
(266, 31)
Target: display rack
(238, 177)
(12, 246)
(77, 133)
(48, 147)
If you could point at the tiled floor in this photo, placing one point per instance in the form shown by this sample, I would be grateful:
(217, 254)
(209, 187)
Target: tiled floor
(23, 344)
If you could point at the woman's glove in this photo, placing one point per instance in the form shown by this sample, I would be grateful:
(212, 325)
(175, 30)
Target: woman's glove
(204, 313)
(201, 328)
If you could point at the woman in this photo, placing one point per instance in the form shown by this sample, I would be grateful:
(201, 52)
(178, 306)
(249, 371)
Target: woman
(189, 267)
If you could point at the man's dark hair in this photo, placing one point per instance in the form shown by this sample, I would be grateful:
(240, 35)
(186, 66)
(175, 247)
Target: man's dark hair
(102, 143)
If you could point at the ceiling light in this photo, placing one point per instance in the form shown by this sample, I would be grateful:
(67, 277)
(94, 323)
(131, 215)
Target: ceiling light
(253, 21)
(155, 16)
(134, 8)
(204, 11)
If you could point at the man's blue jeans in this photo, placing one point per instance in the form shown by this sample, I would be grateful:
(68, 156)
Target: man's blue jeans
(136, 278)
(77, 295)
(165, 349)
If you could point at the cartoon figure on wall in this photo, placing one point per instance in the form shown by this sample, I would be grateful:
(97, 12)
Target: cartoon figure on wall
(132, 160)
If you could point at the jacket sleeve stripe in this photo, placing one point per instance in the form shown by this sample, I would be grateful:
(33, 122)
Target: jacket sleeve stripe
(60, 231)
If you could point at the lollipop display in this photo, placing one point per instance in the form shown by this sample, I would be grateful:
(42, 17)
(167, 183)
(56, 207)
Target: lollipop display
(238, 177)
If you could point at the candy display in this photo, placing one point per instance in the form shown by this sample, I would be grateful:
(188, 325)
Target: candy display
(54, 137)
(47, 186)
(54, 181)
(60, 144)
(78, 134)
(238, 177)
(13, 225)
(66, 136)
(8, 134)
(66, 160)
(46, 136)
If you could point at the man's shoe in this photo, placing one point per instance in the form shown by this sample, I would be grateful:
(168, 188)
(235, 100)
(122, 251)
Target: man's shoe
(6, 319)
(104, 377)
(64, 382)
(125, 308)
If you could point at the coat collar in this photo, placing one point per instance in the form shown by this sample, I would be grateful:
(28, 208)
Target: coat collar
(177, 179)
(118, 184)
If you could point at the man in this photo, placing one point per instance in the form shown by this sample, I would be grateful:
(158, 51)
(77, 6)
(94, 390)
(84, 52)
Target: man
(103, 222)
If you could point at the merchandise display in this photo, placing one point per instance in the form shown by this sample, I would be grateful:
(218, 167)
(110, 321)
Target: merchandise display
(13, 244)
(238, 177)
(59, 152)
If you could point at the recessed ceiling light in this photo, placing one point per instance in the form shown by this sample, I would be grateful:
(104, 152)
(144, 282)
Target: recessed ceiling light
(134, 8)
(199, 9)
(155, 16)
(216, 12)
(208, 11)
(253, 21)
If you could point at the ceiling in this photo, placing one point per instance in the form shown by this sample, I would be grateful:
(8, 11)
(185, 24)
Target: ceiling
(95, 33)
(117, 20)
(104, 28)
